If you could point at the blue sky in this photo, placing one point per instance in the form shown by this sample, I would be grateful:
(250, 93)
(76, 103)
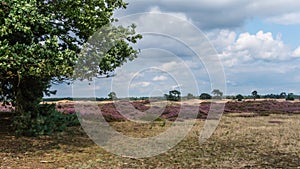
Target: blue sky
(289, 33)
(257, 44)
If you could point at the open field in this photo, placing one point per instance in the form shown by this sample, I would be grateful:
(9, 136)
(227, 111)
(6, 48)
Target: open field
(240, 141)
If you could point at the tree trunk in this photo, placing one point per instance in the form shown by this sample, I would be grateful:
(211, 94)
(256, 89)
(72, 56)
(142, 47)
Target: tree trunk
(29, 94)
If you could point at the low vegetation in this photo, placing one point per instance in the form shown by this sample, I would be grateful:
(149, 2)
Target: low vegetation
(239, 142)
(251, 134)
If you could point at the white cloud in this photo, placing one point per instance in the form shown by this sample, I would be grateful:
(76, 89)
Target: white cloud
(160, 78)
(180, 15)
(140, 84)
(250, 47)
(170, 66)
(221, 38)
(261, 46)
(296, 52)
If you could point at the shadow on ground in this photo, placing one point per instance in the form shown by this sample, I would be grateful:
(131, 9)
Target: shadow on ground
(9, 143)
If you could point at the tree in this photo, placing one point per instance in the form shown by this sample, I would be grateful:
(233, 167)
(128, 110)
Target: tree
(190, 96)
(218, 94)
(205, 96)
(239, 97)
(282, 95)
(112, 96)
(174, 95)
(290, 97)
(254, 94)
(41, 41)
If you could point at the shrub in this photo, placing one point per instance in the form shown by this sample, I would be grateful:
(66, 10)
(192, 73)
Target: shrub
(173, 95)
(290, 96)
(44, 120)
(205, 96)
(239, 97)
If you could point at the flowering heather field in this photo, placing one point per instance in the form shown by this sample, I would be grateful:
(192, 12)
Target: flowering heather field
(122, 110)
(263, 107)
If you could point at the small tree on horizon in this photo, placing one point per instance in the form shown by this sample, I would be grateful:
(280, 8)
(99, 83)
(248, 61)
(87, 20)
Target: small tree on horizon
(218, 94)
(205, 96)
(112, 96)
(174, 95)
(254, 94)
(239, 97)
(290, 97)
(283, 95)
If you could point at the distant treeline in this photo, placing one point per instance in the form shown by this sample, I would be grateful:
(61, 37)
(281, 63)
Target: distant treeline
(276, 96)
(96, 99)
(201, 97)
(72, 99)
(268, 96)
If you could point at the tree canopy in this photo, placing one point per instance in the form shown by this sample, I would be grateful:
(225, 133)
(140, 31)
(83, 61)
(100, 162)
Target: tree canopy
(112, 96)
(239, 97)
(42, 39)
(254, 94)
(218, 94)
(174, 95)
(205, 96)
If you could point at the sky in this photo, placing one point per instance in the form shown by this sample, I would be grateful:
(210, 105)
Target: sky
(195, 46)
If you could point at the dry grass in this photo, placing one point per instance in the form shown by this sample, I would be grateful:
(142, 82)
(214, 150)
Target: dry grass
(253, 142)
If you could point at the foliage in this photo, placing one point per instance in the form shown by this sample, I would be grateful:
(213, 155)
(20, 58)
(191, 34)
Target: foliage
(282, 95)
(112, 96)
(290, 96)
(230, 97)
(218, 94)
(52, 99)
(254, 94)
(174, 95)
(239, 97)
(40, 42)
(44, 120)
(205, 96)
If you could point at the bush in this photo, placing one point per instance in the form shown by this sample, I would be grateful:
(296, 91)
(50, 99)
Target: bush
(239, 97)
(290, 96)
(174, 95)
(44, 120)
(205, 96)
